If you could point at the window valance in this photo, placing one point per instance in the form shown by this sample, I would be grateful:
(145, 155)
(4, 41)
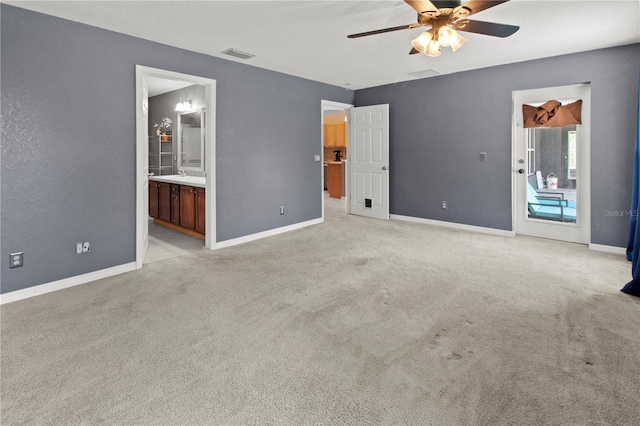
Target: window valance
(552, 114)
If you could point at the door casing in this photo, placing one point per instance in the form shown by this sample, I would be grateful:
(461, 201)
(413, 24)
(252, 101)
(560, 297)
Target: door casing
(332, 106)
(581, 233)
(142, 155)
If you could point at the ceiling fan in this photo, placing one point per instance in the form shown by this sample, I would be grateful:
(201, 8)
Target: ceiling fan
(445, 18)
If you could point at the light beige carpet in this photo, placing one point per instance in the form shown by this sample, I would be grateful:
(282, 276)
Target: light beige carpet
(353, 321)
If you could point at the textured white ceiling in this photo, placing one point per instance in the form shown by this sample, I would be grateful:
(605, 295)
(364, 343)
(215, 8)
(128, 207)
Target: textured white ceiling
(308, 38)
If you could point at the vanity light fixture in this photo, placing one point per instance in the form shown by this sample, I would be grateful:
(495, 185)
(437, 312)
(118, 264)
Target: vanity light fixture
(185, 104)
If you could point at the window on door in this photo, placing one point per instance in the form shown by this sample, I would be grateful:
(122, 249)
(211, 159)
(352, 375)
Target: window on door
(572, 157)
(553, 152)
(531, 152)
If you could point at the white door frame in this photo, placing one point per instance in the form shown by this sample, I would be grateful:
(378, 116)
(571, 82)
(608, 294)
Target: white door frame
(142, 157)
(332, 106)
(549, 229)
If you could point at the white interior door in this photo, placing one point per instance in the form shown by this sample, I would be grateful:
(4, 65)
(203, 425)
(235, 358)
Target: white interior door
(369, 161)
(142, 110)
(562, 153)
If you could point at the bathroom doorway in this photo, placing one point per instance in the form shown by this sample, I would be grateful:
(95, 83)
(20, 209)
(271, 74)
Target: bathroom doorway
(167, 155)
(158, 155)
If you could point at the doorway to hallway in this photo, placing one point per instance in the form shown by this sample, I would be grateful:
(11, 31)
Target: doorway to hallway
(334, 149)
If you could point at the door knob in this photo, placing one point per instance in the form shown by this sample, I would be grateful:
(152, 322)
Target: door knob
(384, 167)
(521, 171)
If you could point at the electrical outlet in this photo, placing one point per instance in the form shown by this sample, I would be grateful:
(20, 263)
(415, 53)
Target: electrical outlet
(281, 209)
(483, 157)
(16, 260)
(86, 247)
(445, 205)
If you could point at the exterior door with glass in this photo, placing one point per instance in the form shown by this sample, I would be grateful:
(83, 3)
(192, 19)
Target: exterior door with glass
(551, 166)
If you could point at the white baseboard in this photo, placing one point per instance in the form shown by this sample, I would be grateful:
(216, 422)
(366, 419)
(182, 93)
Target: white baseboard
(499, 232)
(265, 234)
(608, 249)
(459, 226)
(37, 290)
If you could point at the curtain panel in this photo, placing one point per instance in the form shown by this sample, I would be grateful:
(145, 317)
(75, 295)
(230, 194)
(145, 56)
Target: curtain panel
(633, 246)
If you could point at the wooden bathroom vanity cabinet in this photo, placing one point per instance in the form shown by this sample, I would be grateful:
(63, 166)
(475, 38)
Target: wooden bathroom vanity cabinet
(178, 206)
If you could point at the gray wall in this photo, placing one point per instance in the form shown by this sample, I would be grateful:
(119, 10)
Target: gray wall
(69, 153)
(439, 125)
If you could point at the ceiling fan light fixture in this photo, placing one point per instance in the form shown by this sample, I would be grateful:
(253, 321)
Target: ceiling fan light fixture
(444, 18)
(457, 44)
(446, 35)
(433, 49)
(421, 42)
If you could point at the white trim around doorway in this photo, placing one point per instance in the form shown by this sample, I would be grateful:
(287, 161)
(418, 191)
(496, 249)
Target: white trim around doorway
(546, 229)
(332, 106)
(210, 154)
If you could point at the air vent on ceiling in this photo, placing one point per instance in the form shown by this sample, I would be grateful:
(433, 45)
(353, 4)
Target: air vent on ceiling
(238, 54)
(424, 73)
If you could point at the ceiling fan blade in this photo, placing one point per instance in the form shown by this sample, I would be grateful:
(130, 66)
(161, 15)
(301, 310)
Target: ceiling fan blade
(486, 28)
(475, 6)
(422, 6)
(413, 51)
(384, 30)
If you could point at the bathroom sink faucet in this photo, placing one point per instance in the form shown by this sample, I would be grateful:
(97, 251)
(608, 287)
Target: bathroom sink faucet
(181, 172)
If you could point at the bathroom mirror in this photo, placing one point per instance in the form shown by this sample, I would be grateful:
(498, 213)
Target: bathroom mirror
(190, 131)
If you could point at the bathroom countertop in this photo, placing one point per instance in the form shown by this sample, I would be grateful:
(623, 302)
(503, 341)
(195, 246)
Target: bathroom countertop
(181, 180)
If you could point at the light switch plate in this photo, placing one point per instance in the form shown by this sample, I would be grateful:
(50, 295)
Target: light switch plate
(317, 158)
